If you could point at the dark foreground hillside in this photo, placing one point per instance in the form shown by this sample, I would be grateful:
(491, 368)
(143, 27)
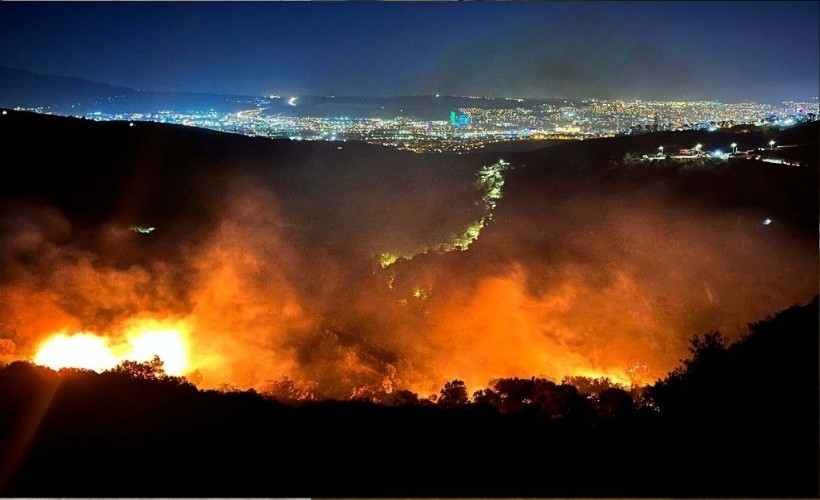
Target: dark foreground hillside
(182, 180)
(736, 421)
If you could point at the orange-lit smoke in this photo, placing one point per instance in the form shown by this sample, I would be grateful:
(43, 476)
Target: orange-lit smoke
(579, 291)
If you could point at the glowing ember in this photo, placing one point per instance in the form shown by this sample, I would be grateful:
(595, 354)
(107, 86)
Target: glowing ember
(142, 342)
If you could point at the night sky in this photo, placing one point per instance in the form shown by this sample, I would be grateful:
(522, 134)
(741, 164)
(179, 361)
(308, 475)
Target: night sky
(729, 51)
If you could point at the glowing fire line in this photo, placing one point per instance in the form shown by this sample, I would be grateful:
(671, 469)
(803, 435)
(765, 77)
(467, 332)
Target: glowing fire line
(490, 180)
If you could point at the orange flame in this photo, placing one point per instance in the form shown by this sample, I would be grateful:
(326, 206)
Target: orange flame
(254, 302)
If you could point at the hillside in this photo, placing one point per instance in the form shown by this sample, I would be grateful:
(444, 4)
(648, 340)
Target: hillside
(727, 429)
(178, 179)
(269, 251)
(75, 96)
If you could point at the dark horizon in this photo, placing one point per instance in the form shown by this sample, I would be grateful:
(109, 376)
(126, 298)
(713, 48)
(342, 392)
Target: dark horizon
(722, 51)
(401, 96)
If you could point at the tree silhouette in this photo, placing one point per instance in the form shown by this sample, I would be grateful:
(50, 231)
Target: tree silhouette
(453, 394)
(614, 402)
(711, 343)
(146, 370)
(401, 398)
(487, 397)
(746, 413)
(564, 402)
(590, 386)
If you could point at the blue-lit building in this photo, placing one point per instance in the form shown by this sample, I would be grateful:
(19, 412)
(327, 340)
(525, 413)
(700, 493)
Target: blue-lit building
(459, 119)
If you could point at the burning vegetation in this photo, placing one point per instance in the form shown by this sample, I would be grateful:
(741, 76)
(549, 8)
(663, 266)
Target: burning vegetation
(754, 434)
(321, 273)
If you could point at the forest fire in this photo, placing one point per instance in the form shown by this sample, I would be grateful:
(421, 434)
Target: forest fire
(239, 241)
(482, 271)
(254, 302)
(141, 342)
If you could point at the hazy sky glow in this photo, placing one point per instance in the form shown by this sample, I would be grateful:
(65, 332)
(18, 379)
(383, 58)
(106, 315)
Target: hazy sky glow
(730, 51)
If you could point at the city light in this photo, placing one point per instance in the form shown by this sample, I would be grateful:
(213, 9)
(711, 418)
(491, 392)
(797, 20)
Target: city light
(771, 144)
(477, 125)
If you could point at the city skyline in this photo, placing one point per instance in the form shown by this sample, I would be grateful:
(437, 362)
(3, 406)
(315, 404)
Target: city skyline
(728, 51)
(417, 123)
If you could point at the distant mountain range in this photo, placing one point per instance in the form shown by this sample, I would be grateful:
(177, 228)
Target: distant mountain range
(69, 95)
(75, 96)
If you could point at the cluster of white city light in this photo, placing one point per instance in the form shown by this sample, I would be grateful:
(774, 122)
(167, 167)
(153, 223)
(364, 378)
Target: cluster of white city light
(490, 120)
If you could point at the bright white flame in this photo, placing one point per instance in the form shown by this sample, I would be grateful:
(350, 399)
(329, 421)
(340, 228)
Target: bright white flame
(143, 340)
(167, 344)
(82, 350)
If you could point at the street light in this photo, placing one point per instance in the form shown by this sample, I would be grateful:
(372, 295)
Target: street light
(734, 148)
(771, 144)
(660, 148)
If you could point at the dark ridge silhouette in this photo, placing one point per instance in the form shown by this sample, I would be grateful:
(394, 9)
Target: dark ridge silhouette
(595, 153)
(74, 96)
(70, 95)
(731, 421)
(179, 178)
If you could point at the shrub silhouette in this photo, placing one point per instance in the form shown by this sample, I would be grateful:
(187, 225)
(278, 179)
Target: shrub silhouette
(733, 420)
